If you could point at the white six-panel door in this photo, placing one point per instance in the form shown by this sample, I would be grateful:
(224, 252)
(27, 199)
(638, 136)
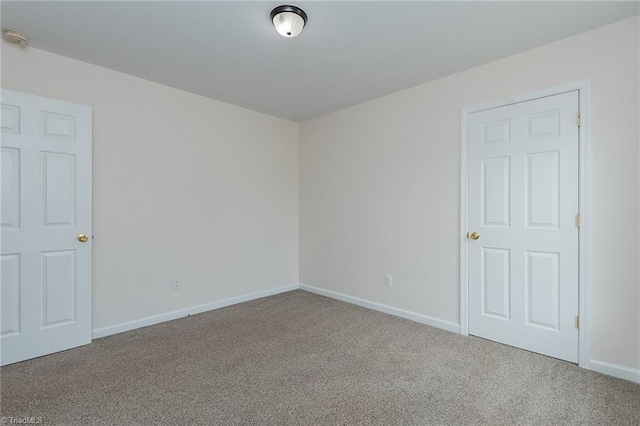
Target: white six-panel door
(523, 203)
(45, 160)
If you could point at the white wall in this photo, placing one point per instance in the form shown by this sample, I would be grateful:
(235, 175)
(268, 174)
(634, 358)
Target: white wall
(379, 185)
(182, 186)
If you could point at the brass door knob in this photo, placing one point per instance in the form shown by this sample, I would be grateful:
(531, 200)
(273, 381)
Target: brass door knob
(83, 238)
(474, 235)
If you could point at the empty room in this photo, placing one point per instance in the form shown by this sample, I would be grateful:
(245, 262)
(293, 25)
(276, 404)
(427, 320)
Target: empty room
(320, 212)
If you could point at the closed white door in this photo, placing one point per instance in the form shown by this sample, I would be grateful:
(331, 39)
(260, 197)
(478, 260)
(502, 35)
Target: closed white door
(46, 208)
(523, 206)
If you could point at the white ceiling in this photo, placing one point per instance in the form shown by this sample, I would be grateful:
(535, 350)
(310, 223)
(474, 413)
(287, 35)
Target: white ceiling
(350, 52)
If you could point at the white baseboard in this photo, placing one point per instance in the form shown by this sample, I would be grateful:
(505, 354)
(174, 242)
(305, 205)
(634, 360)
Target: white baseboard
(616, 370)
(155, 319)
(423, 319)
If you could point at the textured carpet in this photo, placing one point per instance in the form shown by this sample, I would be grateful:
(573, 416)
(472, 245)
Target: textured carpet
(298, 358)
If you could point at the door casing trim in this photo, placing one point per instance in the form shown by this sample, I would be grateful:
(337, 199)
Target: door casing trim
(585, 205)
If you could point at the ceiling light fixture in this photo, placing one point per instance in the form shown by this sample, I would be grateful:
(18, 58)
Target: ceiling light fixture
(16, 37)
(288, 20)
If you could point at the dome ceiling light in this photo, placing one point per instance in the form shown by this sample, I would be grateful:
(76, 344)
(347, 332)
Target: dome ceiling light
(288, 20)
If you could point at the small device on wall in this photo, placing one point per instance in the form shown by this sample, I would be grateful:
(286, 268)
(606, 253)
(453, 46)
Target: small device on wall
(16, 37)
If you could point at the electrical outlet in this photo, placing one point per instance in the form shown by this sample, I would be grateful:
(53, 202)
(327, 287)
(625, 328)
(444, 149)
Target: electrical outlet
(388, 280)
(176, 283)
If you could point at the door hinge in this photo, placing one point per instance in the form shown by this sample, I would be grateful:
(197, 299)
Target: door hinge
(577, 321)
(578, 120)
(578, 220)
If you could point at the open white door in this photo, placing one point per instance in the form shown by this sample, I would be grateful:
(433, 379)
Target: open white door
(45, 214)
(523, 199)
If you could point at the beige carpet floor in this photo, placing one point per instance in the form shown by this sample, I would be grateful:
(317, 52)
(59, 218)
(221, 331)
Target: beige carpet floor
(302, 359)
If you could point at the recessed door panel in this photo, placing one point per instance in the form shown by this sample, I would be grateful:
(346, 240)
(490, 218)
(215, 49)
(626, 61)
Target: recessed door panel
(59, 287)
(543, 289)
(543, 125)
(10, 120)
(543, 190)
(57, 126)
(10, 274)
(10, 187)
(59, 179)
(496, 283)
(495, 191)
(495, 133)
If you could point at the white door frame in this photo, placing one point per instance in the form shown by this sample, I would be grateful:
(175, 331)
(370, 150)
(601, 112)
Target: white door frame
(585, 195)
